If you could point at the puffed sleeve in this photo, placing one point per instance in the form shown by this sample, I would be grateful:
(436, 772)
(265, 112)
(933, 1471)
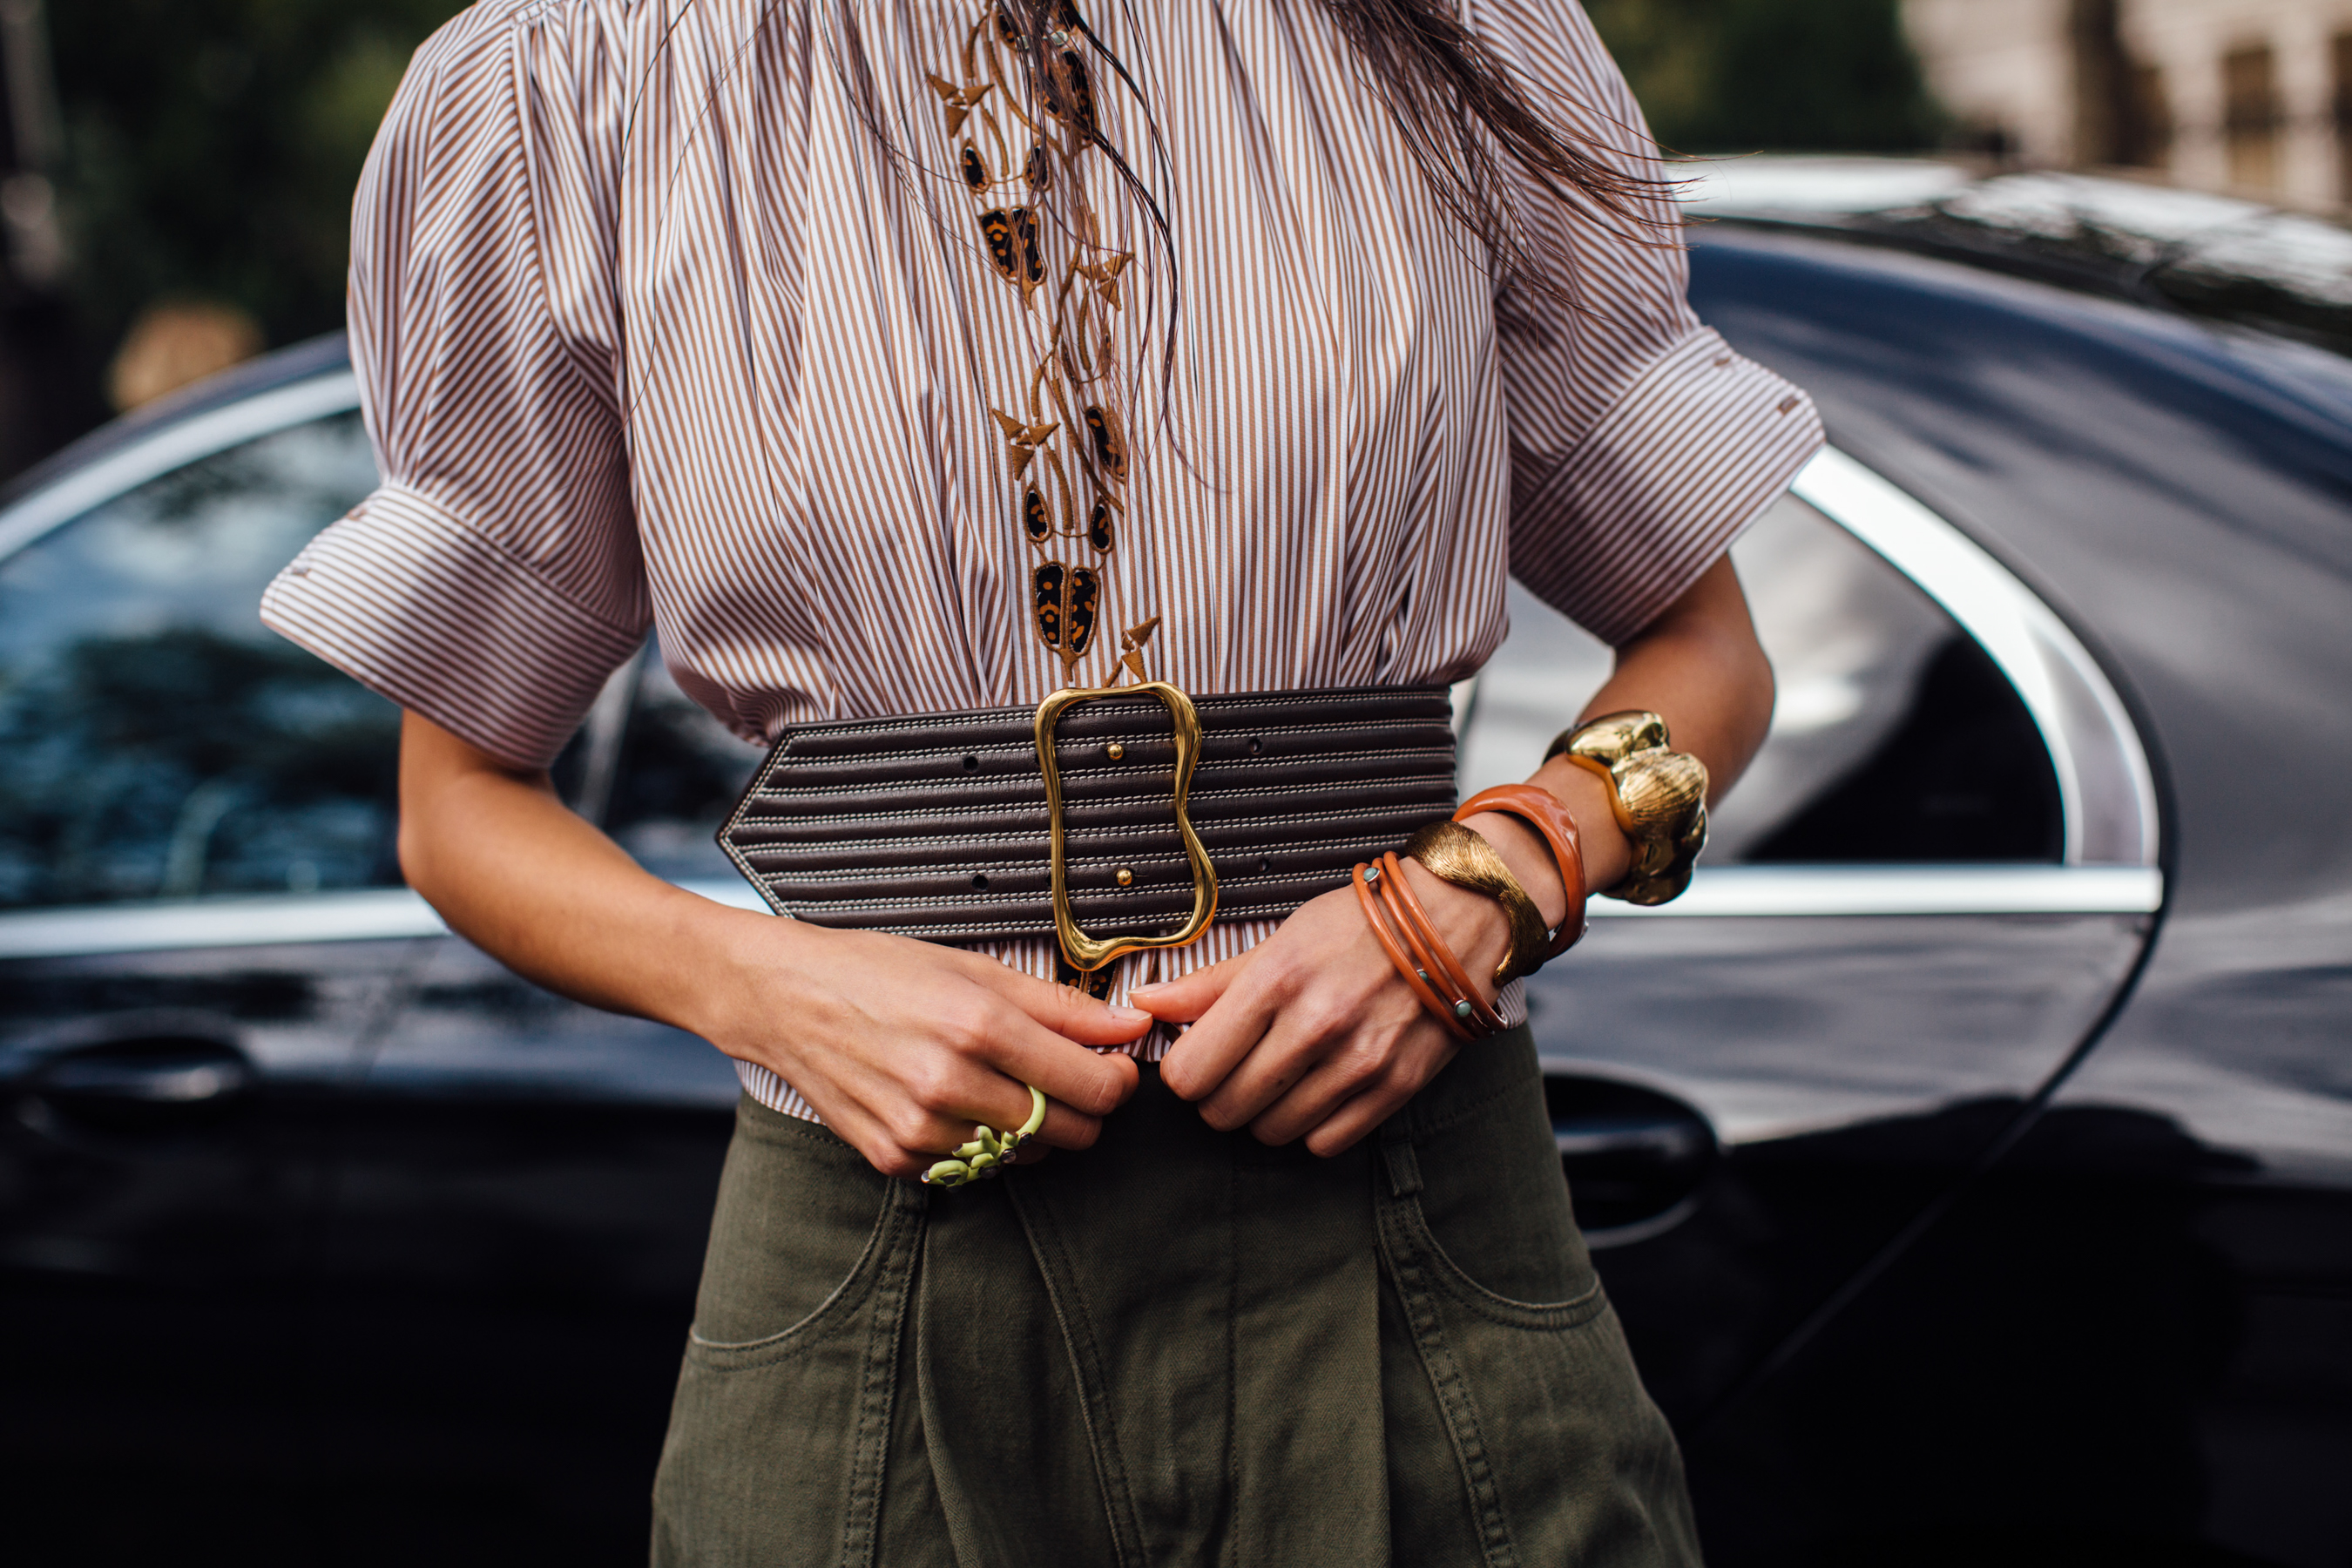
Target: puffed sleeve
(1641, 444)
(493, 581)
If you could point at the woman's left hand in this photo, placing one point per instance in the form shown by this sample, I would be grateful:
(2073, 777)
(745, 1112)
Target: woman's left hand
(1312, 1033)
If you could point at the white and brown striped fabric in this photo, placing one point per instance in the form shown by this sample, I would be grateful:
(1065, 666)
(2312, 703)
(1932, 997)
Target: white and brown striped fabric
(653, 330)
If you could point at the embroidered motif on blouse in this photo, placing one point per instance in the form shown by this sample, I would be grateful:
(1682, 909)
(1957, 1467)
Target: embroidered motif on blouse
(1066, 450)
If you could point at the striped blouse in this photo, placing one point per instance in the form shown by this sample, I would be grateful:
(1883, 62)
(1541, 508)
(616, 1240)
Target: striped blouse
(830, 342)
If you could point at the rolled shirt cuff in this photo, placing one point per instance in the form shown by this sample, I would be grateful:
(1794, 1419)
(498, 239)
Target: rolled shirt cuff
(1699, 445)
(404, 598)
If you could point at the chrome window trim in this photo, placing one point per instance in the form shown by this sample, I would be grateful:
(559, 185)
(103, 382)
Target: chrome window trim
(173, 447)
(1819, 891)
(269, 920)
(2107, 788)
(1738, 892)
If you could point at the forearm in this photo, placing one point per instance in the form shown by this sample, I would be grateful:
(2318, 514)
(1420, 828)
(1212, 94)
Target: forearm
(1701, 669)
(519, 874)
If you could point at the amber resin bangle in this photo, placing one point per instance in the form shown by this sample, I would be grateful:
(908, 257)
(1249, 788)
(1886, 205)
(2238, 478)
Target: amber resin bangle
(1659, 798)
(1454, 854)
(1541, 810)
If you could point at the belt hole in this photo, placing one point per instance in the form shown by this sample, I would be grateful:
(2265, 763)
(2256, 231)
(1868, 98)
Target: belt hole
(1126, 878)
(1256, 745)
(979, 882)
(1263, 864)
(971, 764)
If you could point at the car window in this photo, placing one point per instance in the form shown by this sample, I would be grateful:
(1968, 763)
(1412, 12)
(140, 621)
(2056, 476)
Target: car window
(1894, 739)
(679, 772)
(157, 741)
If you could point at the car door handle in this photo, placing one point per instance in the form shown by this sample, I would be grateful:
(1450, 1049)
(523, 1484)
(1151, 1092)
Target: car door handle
(1634, 1158)
(147, 1083)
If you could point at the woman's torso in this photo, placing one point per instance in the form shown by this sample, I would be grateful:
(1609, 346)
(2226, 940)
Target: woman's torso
(813, 351)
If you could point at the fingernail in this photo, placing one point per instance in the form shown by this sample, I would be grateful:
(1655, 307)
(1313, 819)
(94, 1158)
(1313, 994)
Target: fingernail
(1129, 1015)
(1146, 990)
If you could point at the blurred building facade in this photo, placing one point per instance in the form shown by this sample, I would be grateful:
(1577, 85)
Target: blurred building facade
(2246, 96)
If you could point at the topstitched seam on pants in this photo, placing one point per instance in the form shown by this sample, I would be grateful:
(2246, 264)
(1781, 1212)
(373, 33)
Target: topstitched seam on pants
(1232, 1354)
(878, 1395)
(1085, 1366)
(1492, 1306)
(1454, 1405)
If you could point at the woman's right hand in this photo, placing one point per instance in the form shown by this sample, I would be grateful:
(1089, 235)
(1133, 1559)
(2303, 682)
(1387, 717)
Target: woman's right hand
(903, 1046)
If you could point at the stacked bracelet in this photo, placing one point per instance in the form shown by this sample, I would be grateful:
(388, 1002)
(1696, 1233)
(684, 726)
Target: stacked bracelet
(1455, 854)
(1421, 955)
(1659, 798)
(1540, 809)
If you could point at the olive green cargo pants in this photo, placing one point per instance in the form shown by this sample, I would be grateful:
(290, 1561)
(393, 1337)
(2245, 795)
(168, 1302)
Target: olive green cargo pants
(1180, 1347)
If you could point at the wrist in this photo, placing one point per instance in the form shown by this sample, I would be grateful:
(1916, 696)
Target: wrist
(724, 991)
(1473, 924)
(1608, 853)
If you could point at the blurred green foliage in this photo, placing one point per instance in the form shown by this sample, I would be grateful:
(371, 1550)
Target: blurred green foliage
(212, 145)
(1744, 76)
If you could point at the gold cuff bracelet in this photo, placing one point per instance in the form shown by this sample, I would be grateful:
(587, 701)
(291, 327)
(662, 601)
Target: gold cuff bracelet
(1659, 797)
(1455, 854)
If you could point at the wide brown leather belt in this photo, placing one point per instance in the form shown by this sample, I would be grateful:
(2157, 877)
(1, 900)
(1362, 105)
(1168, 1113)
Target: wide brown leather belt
(1080, 818)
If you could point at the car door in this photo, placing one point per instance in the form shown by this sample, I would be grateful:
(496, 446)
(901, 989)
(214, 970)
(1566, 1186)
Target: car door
(523, 1192)
(1933, 878)
(200, 923)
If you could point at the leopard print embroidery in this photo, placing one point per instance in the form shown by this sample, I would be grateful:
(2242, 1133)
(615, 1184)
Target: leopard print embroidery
(1065, 452)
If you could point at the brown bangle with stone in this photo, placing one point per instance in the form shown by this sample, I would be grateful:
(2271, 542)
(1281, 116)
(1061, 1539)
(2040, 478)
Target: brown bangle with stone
(1416, 979)
(1421, 955)
(1448, 977)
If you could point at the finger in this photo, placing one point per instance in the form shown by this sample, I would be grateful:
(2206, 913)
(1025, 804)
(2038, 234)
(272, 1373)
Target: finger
(1295, 1043)
(1185, 999)
(1327, 1083)
(1348, 1125)
(1360, 1078)
(1069, 1012)
(1089, 1082)
(1203, 1055)
(1065, 1129)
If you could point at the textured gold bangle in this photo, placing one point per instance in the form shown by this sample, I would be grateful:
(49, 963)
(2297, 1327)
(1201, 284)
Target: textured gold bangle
(1659, 798)
(1455, 854)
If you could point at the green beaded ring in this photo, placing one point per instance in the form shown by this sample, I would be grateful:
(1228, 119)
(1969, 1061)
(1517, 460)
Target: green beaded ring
(988, 1149)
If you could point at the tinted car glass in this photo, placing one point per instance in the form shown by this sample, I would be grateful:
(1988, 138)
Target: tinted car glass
(1894, 739)
(160, 742)
(2182, 494)
(679, 772)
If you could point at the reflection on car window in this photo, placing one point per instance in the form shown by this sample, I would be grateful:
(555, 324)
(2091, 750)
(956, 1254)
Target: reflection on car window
(155, 740)
(1894, 739)
(679, 772)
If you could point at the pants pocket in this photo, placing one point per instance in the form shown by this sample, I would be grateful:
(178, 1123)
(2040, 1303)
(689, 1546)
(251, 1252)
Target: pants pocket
(1553, 1453)
(781, 1424)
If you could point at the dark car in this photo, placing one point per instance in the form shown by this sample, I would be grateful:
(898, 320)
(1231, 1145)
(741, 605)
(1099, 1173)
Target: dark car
(1969, 1154)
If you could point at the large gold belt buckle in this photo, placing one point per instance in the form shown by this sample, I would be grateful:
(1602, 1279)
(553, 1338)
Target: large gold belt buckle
(1086, 952)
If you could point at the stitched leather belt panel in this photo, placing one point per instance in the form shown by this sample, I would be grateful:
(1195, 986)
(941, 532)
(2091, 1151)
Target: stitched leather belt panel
(935, 826)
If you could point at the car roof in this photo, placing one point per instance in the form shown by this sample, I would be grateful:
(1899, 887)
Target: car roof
(321, 355)
(2189, 252)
